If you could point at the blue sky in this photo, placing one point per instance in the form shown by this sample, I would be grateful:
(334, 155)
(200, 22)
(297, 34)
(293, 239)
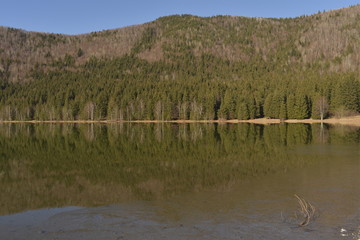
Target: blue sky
(82, 16)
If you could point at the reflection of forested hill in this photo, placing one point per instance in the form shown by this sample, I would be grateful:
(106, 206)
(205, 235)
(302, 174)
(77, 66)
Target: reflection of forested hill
(87, 165)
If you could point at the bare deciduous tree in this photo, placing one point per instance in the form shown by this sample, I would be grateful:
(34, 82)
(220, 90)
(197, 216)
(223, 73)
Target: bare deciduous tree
(159, 110)
(90, 110)
(322, 107)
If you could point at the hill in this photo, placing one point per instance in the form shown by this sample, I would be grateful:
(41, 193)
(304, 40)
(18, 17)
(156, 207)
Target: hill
(186, 67)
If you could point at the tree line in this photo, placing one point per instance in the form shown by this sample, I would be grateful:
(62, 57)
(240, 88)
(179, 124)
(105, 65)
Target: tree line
(188, 87)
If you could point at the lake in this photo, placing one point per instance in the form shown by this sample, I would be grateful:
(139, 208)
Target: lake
(178, 181)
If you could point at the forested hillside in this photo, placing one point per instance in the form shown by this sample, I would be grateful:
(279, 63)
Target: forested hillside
(186, 67)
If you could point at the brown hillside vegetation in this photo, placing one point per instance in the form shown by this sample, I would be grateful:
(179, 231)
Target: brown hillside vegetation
(329, 40)
(183, 67)
(20, 49)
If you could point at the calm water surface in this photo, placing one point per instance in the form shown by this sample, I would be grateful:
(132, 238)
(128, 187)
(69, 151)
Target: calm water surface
(178, 181)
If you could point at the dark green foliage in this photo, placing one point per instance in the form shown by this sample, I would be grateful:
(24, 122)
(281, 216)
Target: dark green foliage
(345, 96)
(349, 94)
(275, 106)
(302, 106)
(69, 60)
(243, 112)
(228, 106)
(80, 52)
(283, 114)
(129, 88)
(177, 68)
(146, 42)
(102, 105)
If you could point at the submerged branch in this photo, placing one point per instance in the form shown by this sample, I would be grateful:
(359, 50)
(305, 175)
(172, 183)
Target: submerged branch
(307, 210)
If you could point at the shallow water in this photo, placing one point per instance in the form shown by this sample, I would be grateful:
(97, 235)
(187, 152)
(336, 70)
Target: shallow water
(171, 181)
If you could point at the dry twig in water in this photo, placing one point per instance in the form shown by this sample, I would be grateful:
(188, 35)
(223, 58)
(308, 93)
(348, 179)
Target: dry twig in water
(307, 210)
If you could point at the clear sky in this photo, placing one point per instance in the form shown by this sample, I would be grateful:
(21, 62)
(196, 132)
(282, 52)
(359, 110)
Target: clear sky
(83, 16)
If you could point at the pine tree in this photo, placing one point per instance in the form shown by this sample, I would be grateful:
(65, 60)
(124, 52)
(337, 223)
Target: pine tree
(243, 112)
(227, 107)
(283, 110)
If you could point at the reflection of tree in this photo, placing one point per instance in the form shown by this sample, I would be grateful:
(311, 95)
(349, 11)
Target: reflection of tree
(299, 134)
(90, 133)
(345, 134)
(321, 133)
(144, 160)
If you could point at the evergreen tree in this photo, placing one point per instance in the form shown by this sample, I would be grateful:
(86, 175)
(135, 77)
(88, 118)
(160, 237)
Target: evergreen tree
(243, 111)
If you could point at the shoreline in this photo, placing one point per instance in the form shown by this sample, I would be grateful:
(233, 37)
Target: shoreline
(353, 121)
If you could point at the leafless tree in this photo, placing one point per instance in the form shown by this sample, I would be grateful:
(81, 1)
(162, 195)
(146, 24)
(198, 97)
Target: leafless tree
(159, 110)
(322, 107)
(90, 110)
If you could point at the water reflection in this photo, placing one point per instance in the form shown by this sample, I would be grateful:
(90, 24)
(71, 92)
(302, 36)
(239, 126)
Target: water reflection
(56, 165)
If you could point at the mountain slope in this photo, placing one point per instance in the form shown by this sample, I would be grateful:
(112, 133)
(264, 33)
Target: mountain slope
(185, 67)
(329, 39)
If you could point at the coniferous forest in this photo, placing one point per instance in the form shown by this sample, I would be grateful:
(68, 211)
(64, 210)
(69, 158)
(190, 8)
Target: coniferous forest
(185, 67)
